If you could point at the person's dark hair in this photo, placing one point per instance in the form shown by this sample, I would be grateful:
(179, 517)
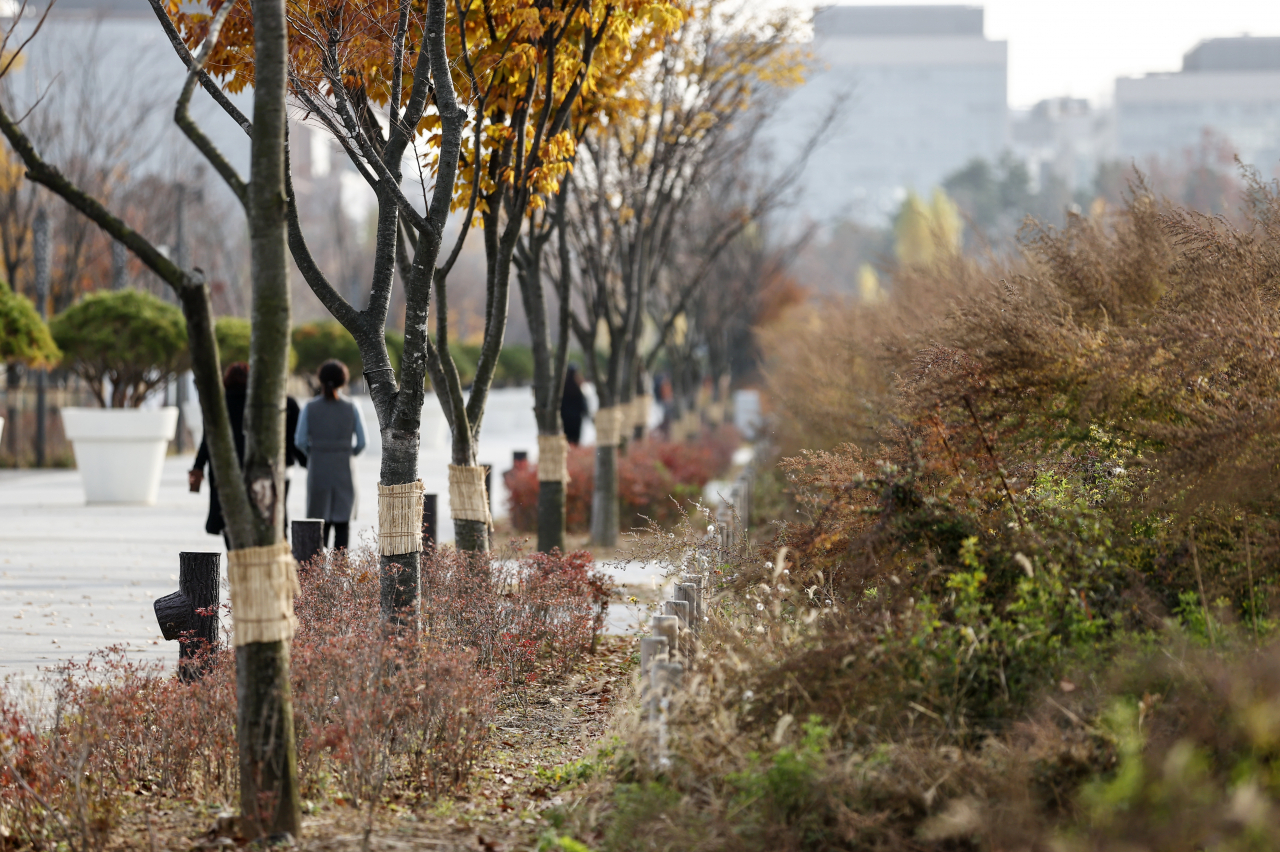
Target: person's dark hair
(332, 375)
(236, 375)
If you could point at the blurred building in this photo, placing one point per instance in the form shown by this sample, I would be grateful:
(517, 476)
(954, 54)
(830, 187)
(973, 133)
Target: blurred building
(1228, 89)
(1063, 139)
(925, 93)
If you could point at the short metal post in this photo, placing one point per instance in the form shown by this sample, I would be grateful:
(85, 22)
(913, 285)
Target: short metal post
(428, 523)
(308, 539)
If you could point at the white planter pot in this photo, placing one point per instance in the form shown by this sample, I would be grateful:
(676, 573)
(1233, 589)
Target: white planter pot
(194, 416)
(120, 451)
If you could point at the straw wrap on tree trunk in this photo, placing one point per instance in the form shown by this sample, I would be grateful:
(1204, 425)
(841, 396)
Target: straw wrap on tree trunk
(553, 458)
(468, 500)
(400, 518)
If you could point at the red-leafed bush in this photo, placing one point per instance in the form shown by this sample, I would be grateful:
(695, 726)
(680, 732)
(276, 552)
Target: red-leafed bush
(370, 703)
(372, 707)
(654, 476)
(368, 706)
(111, 728)
(540, 610)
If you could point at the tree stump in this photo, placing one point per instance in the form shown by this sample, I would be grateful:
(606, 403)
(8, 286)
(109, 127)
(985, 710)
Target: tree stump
(190, 615)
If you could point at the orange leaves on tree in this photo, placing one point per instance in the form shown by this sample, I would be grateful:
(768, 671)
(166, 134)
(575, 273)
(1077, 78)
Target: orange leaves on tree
(521, 67)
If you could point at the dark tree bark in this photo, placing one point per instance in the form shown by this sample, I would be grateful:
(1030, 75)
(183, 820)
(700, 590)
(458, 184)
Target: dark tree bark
(550, 363)
(250, 496)
(189, 616)
(269, 802)
(200, 583)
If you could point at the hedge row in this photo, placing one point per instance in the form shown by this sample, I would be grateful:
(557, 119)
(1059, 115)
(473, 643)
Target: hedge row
(655, 479)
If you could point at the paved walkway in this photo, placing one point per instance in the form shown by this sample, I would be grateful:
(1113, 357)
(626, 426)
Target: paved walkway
(76, 578)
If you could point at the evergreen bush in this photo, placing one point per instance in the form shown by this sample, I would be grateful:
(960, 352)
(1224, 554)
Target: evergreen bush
(24, 337)
(233, 335)
(317, 342)
(124, 344)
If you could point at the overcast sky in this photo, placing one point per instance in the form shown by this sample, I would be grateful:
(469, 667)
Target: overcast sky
(1079, 47)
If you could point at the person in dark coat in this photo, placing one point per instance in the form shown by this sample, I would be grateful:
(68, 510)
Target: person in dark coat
(331, 431)
(235, 384)
(573, 405)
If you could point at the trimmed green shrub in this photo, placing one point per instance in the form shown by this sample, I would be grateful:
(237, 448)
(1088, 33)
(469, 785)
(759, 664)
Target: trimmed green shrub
(515, 365)
(125, 344)
(24, 337)
(317, 342)
(466, 356)
(233, 335)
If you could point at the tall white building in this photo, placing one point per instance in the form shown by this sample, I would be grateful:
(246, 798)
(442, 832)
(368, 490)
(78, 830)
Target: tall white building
(1228, 87)
(926, 93)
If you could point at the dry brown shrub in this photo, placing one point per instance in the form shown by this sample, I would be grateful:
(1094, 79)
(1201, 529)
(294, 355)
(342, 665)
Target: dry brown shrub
(1084, 436)
(831, 366)
(1157, 327)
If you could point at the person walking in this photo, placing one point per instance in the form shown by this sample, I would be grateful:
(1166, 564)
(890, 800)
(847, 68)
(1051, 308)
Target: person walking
(330, 432)
(235, 387)
(573, 405)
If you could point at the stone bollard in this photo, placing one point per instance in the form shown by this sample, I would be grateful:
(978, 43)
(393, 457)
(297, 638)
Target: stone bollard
(190, 615)
(664, 680)
(668, 627)
(688, 593)
(308, 539)
(680, 609)
(652, 648)
(429, 523)
(700, 603)
(684, 614)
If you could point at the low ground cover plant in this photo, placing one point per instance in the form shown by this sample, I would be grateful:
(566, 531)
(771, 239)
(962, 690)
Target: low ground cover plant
(655, 478)
(382, 716)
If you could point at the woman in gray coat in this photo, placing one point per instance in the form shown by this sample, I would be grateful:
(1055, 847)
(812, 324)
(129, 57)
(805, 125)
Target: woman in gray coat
(331, 431)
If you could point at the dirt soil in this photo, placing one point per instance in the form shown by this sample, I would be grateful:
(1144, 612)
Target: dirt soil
(524, 773)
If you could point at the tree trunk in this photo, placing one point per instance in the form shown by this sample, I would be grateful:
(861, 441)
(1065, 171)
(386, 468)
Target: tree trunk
(549, 365)
(268, 761)
(551, 520)
(604, 498)
(400, 574)
(268, 781)
(268, 766)
(470, 535)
